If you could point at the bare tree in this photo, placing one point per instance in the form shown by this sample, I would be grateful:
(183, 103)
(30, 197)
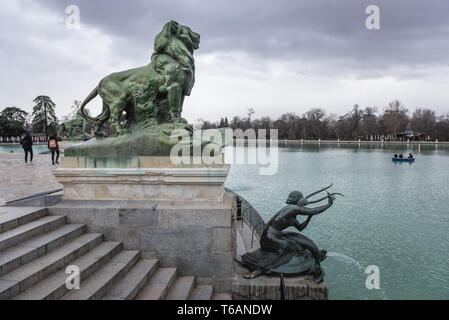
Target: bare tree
(442, 127)
(370, 123)
(73, 110)
(358, 123)
(424, 121)
(395, 117)
(314, 124)
(250, 114)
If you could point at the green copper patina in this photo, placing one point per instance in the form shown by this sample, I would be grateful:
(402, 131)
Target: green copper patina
(144, 104)
(74, 129)
(286, 252)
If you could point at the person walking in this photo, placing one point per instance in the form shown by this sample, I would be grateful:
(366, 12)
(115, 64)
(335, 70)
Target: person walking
(53, 146)
(27, 145)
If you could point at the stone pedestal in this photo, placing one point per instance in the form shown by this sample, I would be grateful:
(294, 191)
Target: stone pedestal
(140, 178)
(180, 215)
(268, 288)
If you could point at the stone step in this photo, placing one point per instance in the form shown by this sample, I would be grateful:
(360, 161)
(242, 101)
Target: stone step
(24, 277)
(181, 288)
(26, 231)
(158, 285)
(128, 287)
(25, 252)
(221, 296)
(11, 217)
(202, 292)
(53, 287)
(96, 286)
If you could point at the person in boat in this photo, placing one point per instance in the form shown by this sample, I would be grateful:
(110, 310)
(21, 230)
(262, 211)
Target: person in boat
(395, 155)
(285, 252)
(401, 156)
(410, 156)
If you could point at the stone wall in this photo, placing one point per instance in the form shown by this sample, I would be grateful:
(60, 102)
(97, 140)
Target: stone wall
(268, 288)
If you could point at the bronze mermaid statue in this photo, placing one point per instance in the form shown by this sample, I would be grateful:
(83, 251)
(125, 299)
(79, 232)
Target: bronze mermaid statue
(286, 252)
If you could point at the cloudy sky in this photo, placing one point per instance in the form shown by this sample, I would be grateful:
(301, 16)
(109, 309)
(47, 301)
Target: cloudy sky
(274, 56)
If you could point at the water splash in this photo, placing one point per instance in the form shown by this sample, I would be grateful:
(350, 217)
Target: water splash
(358, 293)
(346, 259)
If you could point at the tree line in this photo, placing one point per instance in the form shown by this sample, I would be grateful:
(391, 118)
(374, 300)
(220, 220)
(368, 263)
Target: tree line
(14, 121)
(359, 123)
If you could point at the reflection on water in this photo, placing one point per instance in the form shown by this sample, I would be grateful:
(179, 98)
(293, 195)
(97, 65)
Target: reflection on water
(364, 147)
(393, 215)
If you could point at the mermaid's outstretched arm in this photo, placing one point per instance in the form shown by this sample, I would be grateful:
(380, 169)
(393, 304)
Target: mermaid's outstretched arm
(301, 226)
(314, 211)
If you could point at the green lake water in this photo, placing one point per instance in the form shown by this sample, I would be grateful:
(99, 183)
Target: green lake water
(17, 148)
(393, 215)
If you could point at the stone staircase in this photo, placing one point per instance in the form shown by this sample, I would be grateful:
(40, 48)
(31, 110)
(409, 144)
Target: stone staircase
(36, 248)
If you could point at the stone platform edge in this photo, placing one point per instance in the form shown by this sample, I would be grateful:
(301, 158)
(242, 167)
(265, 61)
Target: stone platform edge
(134, 162)
(141, 178)
(268, 288)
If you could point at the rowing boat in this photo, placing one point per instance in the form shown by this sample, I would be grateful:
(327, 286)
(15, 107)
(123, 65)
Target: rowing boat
(404, 159)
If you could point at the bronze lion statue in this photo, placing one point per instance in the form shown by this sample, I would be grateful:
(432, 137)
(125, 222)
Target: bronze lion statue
(152, 94)
(74, 129)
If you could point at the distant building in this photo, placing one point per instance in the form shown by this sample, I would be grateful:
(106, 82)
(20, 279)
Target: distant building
(39, 137)
(411, 135)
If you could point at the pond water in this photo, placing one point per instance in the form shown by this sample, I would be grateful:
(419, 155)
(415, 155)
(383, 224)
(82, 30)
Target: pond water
(394, 215)
(17, 148)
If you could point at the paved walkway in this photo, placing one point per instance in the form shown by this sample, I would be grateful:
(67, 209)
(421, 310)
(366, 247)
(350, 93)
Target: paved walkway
(18, 179)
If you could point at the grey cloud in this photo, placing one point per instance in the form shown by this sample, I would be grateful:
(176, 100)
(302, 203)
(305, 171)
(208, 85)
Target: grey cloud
(414, 32)
(322, 41)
